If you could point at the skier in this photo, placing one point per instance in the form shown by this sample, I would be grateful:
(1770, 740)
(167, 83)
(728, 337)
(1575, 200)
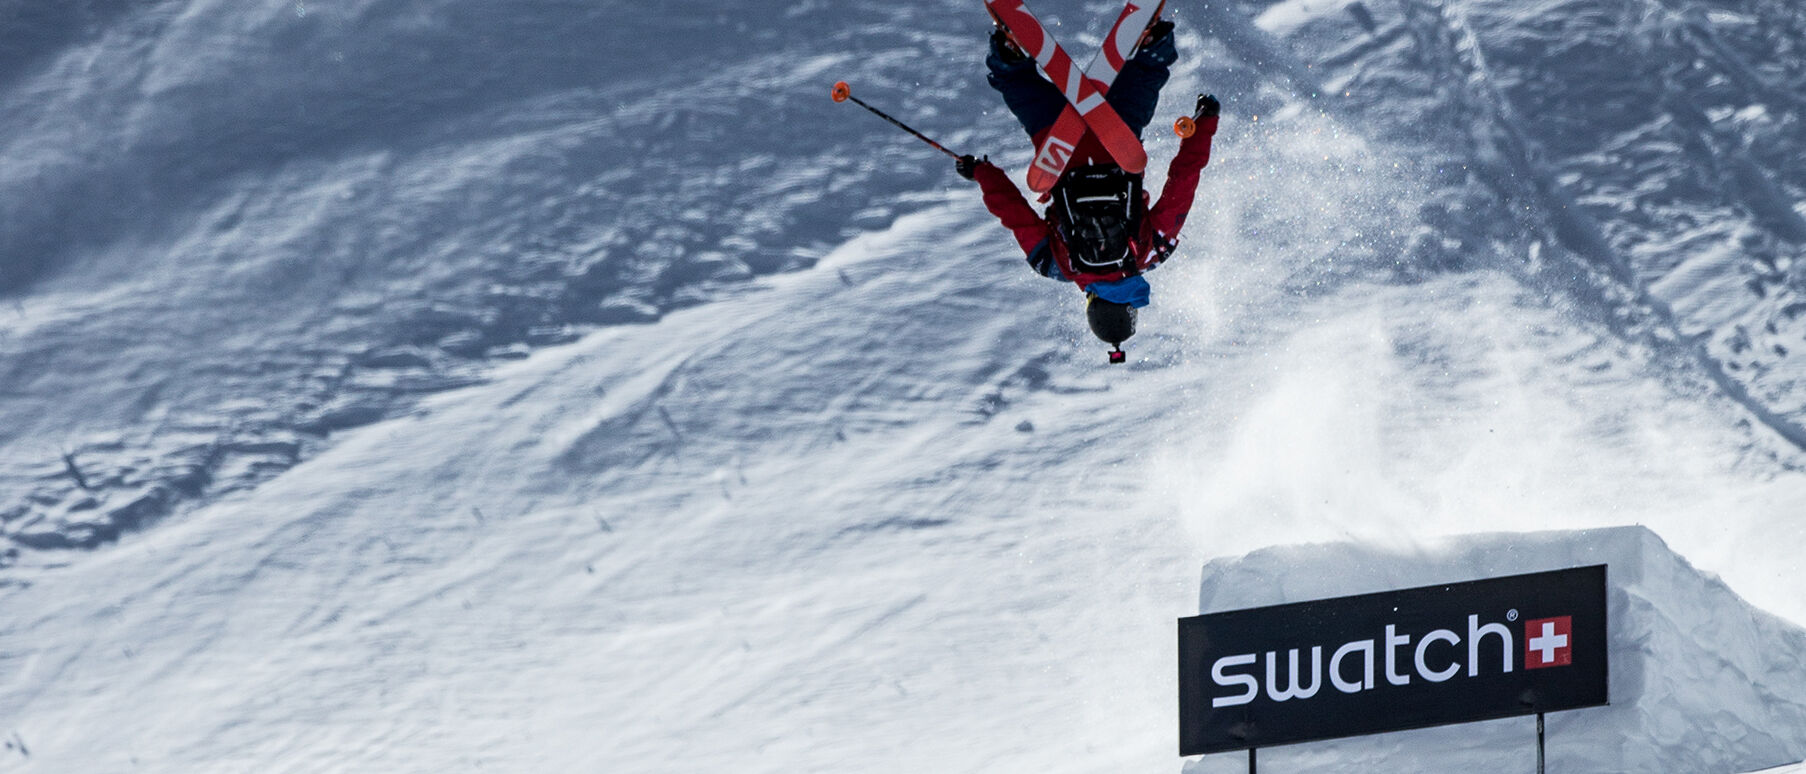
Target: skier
(1100, 232)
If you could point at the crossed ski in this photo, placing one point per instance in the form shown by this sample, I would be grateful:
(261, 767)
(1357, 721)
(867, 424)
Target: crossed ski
(1085, 90)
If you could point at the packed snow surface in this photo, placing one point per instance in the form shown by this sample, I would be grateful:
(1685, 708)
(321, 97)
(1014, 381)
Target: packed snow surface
(449, 385)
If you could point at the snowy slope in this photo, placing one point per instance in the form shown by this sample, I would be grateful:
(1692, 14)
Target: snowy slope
(232, 229)
(572, 386)
(1642, 154)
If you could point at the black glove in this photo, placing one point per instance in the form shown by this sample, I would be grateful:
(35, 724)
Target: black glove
(967, 166)
(1208, 105)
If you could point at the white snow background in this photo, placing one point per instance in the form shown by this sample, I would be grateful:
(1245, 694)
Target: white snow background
(443, 385)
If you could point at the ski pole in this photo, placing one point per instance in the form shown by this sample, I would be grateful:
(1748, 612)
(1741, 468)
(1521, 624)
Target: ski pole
(843, 92)
(1186, 126)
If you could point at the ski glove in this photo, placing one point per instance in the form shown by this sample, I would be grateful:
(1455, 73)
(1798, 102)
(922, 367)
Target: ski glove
(1208, 105)
(967, 166)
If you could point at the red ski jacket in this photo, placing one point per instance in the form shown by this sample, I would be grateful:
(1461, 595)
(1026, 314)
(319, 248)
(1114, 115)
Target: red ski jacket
(1039, 235)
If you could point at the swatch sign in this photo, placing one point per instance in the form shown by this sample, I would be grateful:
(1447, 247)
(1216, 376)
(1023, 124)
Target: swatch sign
(1396, 660)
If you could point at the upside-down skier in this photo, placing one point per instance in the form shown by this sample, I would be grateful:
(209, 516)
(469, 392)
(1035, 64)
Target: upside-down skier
(1100, 232)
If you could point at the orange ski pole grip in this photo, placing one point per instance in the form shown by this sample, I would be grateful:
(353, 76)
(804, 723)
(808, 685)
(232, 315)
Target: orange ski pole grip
(1185, 126)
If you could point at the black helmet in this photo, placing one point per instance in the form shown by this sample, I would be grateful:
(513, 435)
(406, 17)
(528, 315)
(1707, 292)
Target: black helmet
(1110, 321)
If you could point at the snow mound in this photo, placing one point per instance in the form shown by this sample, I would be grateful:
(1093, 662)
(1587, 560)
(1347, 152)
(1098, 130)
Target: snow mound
(1700, 680)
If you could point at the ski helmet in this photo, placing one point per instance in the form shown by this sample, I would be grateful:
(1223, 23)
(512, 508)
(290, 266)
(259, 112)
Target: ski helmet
(1110, 321)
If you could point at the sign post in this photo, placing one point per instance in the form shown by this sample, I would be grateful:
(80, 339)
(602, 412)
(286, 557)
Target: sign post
(1539, 743)
(1455, 653)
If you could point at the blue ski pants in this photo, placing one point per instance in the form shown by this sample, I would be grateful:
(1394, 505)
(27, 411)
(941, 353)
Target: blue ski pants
(1037, 103)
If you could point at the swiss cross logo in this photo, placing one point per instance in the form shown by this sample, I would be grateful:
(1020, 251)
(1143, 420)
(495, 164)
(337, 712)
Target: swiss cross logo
(1549, 642)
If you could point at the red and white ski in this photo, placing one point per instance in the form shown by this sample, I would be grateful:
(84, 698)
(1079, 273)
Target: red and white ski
(1084, 89)
(1120, 44)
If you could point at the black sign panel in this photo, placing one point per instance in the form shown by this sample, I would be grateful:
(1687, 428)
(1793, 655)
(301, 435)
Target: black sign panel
(1386, 662)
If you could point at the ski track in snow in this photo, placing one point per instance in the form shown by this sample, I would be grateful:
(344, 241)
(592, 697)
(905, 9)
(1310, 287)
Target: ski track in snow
(855, 492)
